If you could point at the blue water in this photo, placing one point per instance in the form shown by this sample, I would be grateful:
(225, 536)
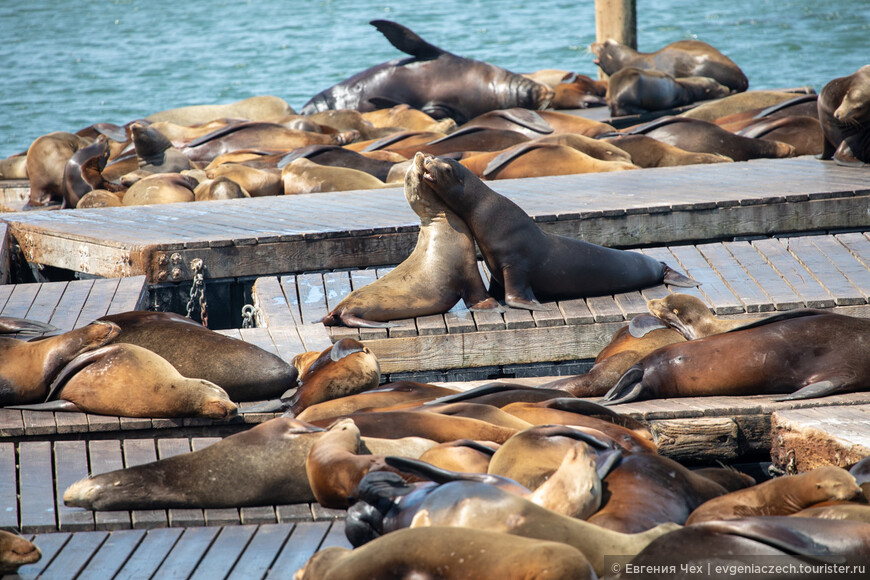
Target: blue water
(67, 65)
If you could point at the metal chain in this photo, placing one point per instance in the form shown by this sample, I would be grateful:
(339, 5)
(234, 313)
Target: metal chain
(197, 291)
(248, 313)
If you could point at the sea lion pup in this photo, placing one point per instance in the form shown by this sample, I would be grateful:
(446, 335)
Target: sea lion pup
(632, 91)
(648, 152)
(781, 496)
(14, 325)
(622, 352)
(807, 353)
(46, 160)
(387, 503)
(264, 465)
(126, 380)
(689, 316)
(645, 490)
(844, 112)
(527, 263)
(448, 554)
(245, 371)
(441, 269)
(15, 552)
(28, 368)
(684, 58)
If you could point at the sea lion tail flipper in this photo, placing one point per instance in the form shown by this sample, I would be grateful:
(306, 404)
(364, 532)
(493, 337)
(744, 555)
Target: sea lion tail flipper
(56, 406)
(407, 40)
(343, 348)
(629, 388)
(643, 324)
(270, 406)
(674, 278)
(10, 324)
(71, 368)
(490, 304)
(487, 389)
(353, 321)
(811, 391)
(422, 469)
(606, 461)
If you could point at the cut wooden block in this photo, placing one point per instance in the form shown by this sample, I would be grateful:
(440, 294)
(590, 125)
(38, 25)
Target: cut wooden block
(803, 439)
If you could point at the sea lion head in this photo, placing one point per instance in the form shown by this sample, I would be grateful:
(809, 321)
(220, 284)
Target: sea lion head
(855, 106)
(16, 551)
(680, 311)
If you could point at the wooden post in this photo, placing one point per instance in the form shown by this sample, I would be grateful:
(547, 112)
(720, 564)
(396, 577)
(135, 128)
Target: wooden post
(616, 19)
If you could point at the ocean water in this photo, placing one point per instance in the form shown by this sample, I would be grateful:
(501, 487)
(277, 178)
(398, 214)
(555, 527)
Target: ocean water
(68, 65)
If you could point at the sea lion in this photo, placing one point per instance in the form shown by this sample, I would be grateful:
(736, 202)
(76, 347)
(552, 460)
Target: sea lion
(800, 105)
(448, 553)
(815, 352)
(648, 152)
(304, 176)
(335, 156)
(780, 496)
(100, 198)
(15, 325)
(155, 152)
(408, 118)
(707, 137)
(441, 269)
(468, 138)
(28, 368)
(388, 503)
(264, 465)
(219, 188)
(126, 380)
(861, 472)
(15, 552)
(857, 512)
(728, 477)
(14, 167)
(257, 108)
(245, 371)
(82, 173)
(345, 368)
(571, 90)
(623, 352)
(462, 455)
(567, 123)
(633, 91)
(528, 263)
(500, 394)
(684, 58)
(384, 396)
(802, 132)
(844, 112)
(439, 83)
(518, 120)
(46, 160)
(540, 158)
(689, 316)
(644, 490)
(737, 104)
(160, 188)
(257, 182)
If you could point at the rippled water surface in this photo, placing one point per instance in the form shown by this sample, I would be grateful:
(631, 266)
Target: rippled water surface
(70, 64)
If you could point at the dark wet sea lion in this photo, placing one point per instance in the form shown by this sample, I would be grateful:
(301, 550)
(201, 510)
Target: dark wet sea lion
(689, 316)
(47, 157)
(684, 58)
(155, 152)
(340, 157)
(439, 83)
(648, 152)
(28, 368)
(801, 132)
(245, 371)
(527, 262)
(705, 137)
(83, 171)
(448, 554)
(632, 91)
(15, 552)
(441, 269)
(844, 112)
(806, 353)
(781, 496)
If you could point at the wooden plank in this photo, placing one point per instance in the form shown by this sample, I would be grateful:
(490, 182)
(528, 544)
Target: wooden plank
(39, 423)
(858, 244)
(287, 342)
(36, 487)
(258, 515)
(337, 287)
(20, 300)
(516, 318)
(46, 301)
(71, 465)
(857, 273)
(186, 553)
(432, 324)
(312, 297)
(807, 287)
(359, 279)
(305, 540)
(74, 555)
(663, 254)
(71, 304)
(4, 255)
(11, 423)
(715, 290)
(68, 422)
(738, 280)
(576, 311)
(823, 270)
(107, 561)
(223, 553)
(778, 291)
(98, 301)
(132, 294)
(336, 536)
(101, 423)
(50, 545)
(139, 452)
(8, 487)
(5, 292)
(604, 309)
(268, 296)
(149, 554)
(314, 337)
(259, 337)
(261, 552)
(179, 516)
(631, 304)
(105, 456)
(552, 316)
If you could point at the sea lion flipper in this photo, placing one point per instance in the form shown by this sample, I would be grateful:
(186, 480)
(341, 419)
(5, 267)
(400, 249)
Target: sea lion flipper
(606, 461)
(779, 317)
(270, 406)
(353, 321)
(526, 118)
(407, 40)
(480, 391)
(57, 405)
(643, 324)
(674, 278)
(812, 391)
(845, 157)
(343, 348)
(10, 324)
(490, 304)
(629, 388)
(508, 155)
(71, 368)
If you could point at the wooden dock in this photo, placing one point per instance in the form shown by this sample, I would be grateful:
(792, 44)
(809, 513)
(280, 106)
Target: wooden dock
(803, 439)
(358, 229)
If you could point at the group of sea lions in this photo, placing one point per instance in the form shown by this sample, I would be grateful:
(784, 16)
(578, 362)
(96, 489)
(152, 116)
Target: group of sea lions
(362, 132)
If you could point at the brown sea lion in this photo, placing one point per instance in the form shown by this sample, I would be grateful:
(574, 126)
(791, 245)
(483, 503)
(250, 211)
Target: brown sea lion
(632, 91)
(219, 188)
(100, 198)
(407, 118)
(684, 58)
(648, 152)
(737, 104)
(126, 380)
(801, 132)
(15, 325)
(15, 552)
(46, 160)
(815, 352)
(528, 263)
(28, 368)
(384, 396)
(689, 316)
(780, 496)
(567, 123)
(800, 105)
(257, 108)
(463, 455)
(439, 83)
(160, 188)
(388, 504)
(572, 90)
(82, 172)
(257, 182)
(861, 472)
(264, 465)
(707, 137)
(155, 152)
(467, 138)
(844, 112)
(518, 120)
(448, 553)
(500, 394)
(304, 176)
(335, 156)
(542, 157)
(728, 477)
(623, 352)
(245, 371)
(488, 413)
(14, 167)
(441, 269)
(858, 512)
(644, 490)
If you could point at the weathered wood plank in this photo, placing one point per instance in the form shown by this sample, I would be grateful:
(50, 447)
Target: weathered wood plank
(807, 287)
(179, 516)
(46, 301)
(804, 439)
(113, 553)
(20, 300)
(305, 540)
(738, 280)
(132, 294)
(778, 291)
(268, 296)
(262, 550)
(824, 271)
(50, 545)
(223, 553)
(70, 465)
(186, 553)
(8, 487)
(714, 289)
(857, 273)
(105, 456)
(149, 554)
(71, 304)
(74, 555)
(98, 301)
(36, 487)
